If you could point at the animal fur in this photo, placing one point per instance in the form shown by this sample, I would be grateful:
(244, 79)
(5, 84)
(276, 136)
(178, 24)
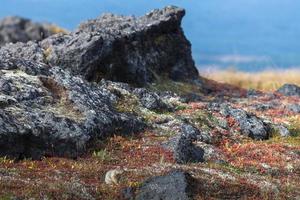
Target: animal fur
(112, 176)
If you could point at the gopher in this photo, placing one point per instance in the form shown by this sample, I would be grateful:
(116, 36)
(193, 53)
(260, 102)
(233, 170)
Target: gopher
(112, 176)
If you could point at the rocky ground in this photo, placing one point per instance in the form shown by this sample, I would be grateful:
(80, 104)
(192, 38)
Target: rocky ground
(122, 93)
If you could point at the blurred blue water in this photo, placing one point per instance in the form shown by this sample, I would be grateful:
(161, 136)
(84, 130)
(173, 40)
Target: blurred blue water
(249, 34)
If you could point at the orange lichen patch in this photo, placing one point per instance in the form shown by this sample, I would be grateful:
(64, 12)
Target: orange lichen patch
(139, 152)
(260, 155)
(231, 121)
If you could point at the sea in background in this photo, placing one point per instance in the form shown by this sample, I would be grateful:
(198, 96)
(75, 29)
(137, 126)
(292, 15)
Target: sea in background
(248, 35)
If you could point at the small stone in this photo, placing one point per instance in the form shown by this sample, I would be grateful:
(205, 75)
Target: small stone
(184, 150)
(174, 186)
(283, 131)
(293, 108)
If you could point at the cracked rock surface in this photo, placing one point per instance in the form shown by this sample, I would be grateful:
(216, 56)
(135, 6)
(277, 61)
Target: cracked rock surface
(50, 112)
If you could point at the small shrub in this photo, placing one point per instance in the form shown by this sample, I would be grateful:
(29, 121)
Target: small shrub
(102, 155)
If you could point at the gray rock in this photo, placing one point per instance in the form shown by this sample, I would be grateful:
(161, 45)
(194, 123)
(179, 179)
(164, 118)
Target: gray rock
(49, 112)
(126, 49)
(283, 131)
(16, 29)
(29, 67)
(205, 137)
(174, 186)
(293, 108)
(265, 106)
(191, 97)
(147, 99)
(127, 193)
(250, 125)
(212, 153)
(289, 90)
(30, 51)
(151, 100)
(184, 150)
(251, 93)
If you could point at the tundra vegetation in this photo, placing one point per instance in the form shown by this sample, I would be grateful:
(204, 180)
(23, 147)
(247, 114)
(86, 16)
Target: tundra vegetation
(124, 93)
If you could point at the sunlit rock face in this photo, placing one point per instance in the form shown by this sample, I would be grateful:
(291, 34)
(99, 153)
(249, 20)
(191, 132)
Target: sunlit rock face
(126, 49)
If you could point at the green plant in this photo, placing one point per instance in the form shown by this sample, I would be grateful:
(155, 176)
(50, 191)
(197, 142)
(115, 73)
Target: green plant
(102, 155)
(6, 197)
(5, 160)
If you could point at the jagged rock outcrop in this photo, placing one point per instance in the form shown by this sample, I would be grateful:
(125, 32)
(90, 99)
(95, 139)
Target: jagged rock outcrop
(16, 29)
(118, 48)
(48, 112)
(46, 109)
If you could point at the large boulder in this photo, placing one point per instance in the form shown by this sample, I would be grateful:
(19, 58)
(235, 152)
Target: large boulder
(126, 49)
(48, 112)
(16, 29)
(46, 109)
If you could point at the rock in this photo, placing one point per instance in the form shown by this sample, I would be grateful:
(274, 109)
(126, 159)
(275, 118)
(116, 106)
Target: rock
(127, 193)
(212, 153)
(76, 190)
(182, 145)
(191, 97)
(283, 131)
(30, 51)
(265, 106)
(126, 49)
(146, 99)
(250, 125)
(289, 90)
(251, 93)
(29, 67)
(16, 29)
(49, 112)
(293, 108)
(151, 100)
(205, 137)
(174, 186)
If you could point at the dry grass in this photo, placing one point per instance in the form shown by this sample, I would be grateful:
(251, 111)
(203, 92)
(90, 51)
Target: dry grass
(56, 29)
(269, 80)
